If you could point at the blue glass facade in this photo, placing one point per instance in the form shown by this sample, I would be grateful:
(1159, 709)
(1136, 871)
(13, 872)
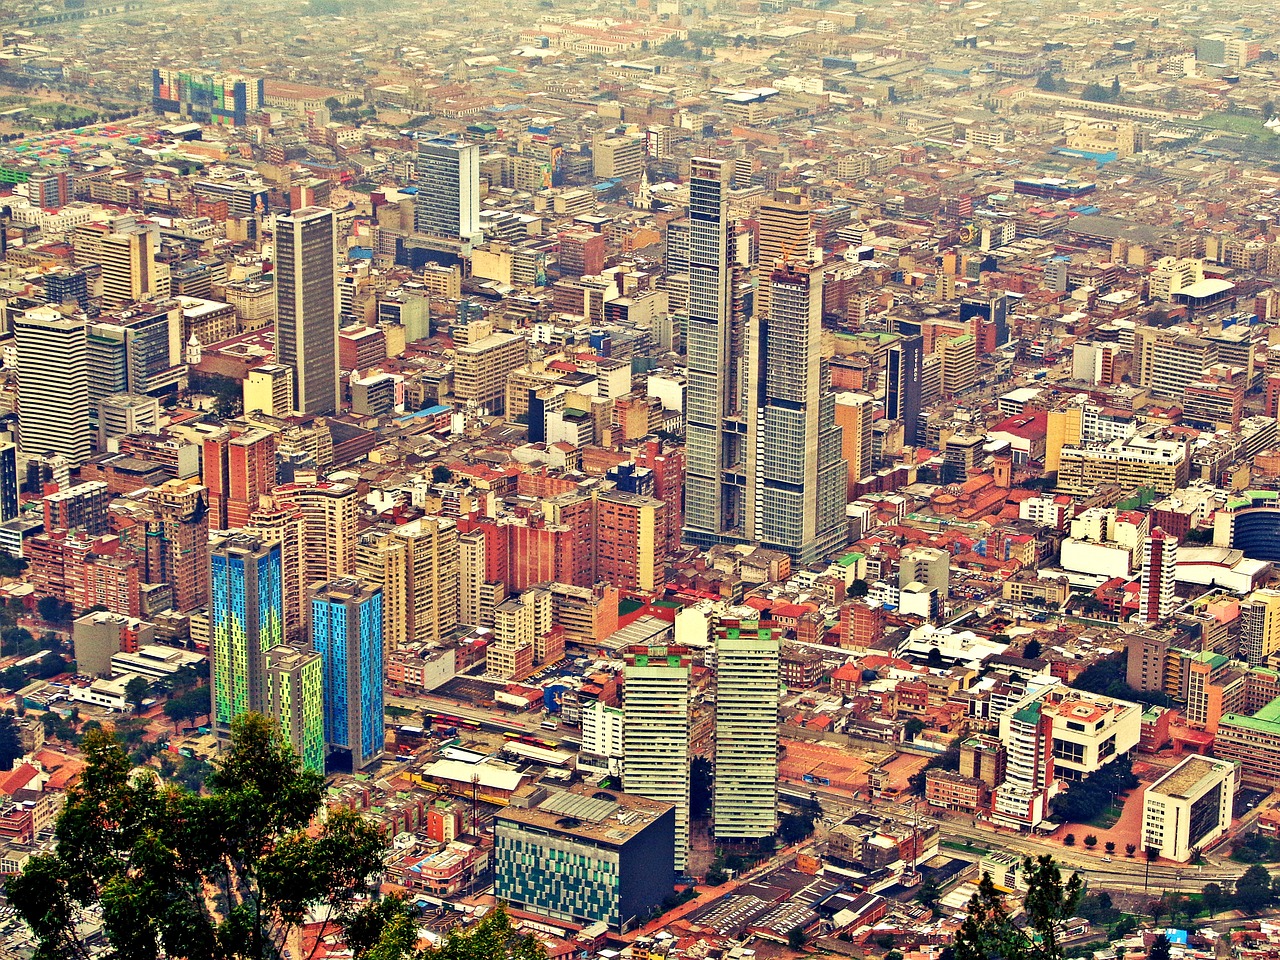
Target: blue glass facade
(346, 630)
(246, 619)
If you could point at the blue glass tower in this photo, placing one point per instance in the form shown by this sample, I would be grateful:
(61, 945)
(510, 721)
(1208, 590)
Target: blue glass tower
(246, 619)
(346, 630)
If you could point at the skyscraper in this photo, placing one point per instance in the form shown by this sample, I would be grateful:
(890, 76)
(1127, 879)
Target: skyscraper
(53, 385)
(1156, 600)
(8, 481)
(295, 700)
(746, 780)
(1259, 626)
(905, 369)
(239, 469)
(786, 234)
(329, 527)
(796, 478)
(307, 306)
(655, 731)
(715, 444)
(128, 266)
(246, 612)
(177, 542)
(854, 415)
(448, 200)
(346, 630)
(285, 524)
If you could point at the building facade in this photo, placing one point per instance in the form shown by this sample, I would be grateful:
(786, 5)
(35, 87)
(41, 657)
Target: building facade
(307, 306)
(346, 630)
(745, 796)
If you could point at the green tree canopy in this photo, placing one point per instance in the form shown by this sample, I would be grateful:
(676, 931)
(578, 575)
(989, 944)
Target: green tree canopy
(222, 876)
(988, 930)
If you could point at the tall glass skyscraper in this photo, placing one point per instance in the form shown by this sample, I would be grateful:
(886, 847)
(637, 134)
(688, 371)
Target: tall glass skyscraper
(715, 446)
(246, 619)
(307, 306)
(346, 630)
(796, 474)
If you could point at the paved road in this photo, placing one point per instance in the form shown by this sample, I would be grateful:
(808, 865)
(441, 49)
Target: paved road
(1121, 874)
(491, 720)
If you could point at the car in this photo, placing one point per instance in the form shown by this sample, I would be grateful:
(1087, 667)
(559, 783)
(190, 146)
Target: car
(1106, 859)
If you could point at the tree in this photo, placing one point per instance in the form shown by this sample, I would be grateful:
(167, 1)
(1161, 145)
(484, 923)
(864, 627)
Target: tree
(914, 727)
(54, 610)
(392, 936)
(1090, 841)
(223, 876)
(135, 691)
(186, 706)
(1253, 889)
(1130, 849)
(1032, 650)
(794, 827)
(1157, 909)
(928, 893)
(10, 741)
(1211, 897)
(1115, 88)
(988, 931)
(797, 938)
(441, 474)
(1110, 847)
(1069, 840)
(934, 659)
(1159, 948)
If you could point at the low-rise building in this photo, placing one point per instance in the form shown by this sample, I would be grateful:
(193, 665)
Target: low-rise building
(1189, 808)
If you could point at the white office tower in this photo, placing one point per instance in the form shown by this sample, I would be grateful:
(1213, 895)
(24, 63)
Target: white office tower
(1156, 599)
(655, 732)
(448, 200)
(53, 385)
(746, 778)
(307, 306)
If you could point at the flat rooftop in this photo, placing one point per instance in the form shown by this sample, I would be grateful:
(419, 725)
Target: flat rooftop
(605, 817)
(1183, 781)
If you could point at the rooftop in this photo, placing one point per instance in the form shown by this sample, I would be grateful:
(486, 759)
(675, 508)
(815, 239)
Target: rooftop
(605, 817)
(1185, 781)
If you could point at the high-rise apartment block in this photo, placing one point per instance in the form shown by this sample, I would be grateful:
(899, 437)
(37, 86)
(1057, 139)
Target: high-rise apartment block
(295, 700)
(854, 414)
(177, 542)
(346, 630)
(746, 733)
(81, 507)
(246, 619)
(655, 710)
(53, 385)
(1156, 599)
(786, 236)
(328, 513)
(218, 98)
(239, 469)
(307, 306)
(1260, 626)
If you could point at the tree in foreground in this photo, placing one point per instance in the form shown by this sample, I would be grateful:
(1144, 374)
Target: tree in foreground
(227, 875)
(989, 932)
